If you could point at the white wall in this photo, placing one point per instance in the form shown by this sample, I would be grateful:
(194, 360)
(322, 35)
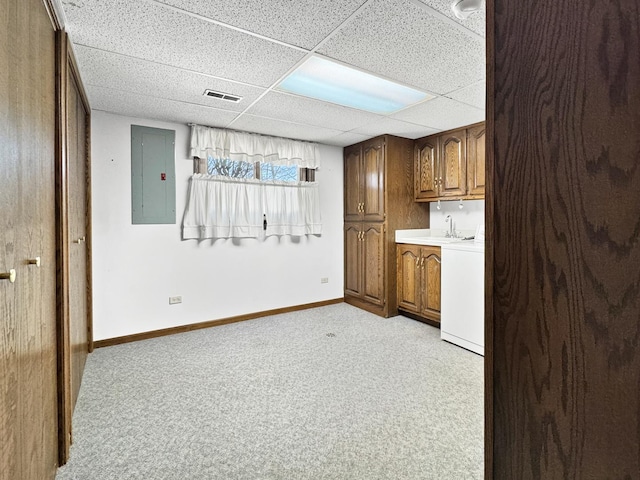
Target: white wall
(465, 219)
(137, 267)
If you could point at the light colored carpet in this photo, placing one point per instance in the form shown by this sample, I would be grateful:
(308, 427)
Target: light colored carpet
(326, 393)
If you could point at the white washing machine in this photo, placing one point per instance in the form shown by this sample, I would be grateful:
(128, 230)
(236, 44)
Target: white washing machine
(462, 295)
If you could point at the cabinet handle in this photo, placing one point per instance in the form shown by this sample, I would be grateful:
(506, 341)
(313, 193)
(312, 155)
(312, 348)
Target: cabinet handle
(418, 262)
(34, 261)
(422, 262)
(10, 275)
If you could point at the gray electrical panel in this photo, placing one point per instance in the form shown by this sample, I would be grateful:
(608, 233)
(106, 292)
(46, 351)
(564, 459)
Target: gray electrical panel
(153, 177)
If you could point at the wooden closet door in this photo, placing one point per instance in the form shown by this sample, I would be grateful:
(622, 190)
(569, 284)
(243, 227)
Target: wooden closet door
(28, 390)
(78, 288)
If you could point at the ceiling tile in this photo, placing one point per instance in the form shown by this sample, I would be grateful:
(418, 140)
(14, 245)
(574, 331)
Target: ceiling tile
(393, 126)
(303, 23)
(308, 111)
(441, 114)
(115, 71)
(347, 138)
(476, 22)
(401, 40)
(472, 95)
(278, 128)
(134, 105)
(154, 32)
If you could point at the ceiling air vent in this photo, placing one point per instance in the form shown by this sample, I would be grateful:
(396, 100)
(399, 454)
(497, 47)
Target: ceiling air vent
(223, 96)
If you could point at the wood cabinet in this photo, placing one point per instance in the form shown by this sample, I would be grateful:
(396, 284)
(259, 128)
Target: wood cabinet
(453, 164)
(418, 282)
(378, 200)
(365, 273)
(450, 165)
(364, 175)
(426, 170)
(476, 160)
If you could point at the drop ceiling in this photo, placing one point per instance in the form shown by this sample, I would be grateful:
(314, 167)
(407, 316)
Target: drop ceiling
(154, 59)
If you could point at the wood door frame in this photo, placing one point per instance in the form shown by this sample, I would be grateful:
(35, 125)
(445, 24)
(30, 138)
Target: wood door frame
(489, 216)
(65, 65)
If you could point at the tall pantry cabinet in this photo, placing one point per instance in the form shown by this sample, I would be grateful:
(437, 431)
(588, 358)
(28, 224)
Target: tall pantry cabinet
(379, 199)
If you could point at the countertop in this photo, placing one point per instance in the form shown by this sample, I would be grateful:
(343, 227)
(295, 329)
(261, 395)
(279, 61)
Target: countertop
(436, 238)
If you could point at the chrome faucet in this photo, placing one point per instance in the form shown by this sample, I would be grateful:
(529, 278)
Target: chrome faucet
(451, 233)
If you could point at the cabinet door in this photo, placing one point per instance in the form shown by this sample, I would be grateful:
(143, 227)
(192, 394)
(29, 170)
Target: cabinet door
(475, 160)
(409, 278)
(373, 261)
(373, 179)
(453, 163)
(430, 265)
(353, 183)
(353, 259)
(426, 175)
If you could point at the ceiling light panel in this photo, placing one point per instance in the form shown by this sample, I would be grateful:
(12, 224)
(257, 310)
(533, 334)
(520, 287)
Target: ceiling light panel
(333, 82)
(303, 23)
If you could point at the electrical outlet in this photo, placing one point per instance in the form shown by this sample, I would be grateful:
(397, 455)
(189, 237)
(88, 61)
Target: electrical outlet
(324, 280)
(174, 300)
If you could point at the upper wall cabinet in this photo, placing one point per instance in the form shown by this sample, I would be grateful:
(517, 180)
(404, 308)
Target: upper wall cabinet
(453, 164)
(364, 179)
(475, 160)
(450, 165)
(426, 170)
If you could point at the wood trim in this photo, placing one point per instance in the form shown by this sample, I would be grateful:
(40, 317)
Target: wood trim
(488, 244)
(56, 13)
(62, 252)
(211, 323)
(358, 302)
(419, 318)
(72, 65)
(89, 231)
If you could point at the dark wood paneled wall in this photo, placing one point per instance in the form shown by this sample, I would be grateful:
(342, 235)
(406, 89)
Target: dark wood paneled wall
(28, 424)
(563, 217)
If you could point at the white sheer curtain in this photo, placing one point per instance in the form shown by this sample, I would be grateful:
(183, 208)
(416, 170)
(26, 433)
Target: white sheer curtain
(223, 207)
(227, 207)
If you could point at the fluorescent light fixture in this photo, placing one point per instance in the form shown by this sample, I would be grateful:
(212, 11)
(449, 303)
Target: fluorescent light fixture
(333, 82)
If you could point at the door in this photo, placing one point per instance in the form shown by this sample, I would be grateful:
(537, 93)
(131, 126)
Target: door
(28, 388)
(431, 280)
(425, 161)
(373, 179)
(409, 276)
(373, 261)
(453, 163)
(77, 117)
(353, 259)
(475, 160)
(353, 205)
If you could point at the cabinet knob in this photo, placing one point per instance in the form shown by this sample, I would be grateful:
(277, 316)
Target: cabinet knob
(10, 275)
(34, 261)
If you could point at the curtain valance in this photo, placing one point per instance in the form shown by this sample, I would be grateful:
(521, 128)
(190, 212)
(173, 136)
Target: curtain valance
(251, 147)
